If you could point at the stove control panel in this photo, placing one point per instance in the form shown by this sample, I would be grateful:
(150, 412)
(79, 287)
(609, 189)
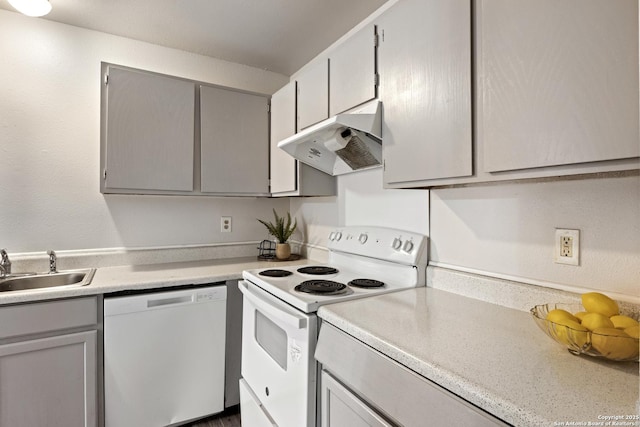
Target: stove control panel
(379, 242)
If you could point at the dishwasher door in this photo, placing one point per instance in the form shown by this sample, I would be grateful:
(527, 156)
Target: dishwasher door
(164, 356)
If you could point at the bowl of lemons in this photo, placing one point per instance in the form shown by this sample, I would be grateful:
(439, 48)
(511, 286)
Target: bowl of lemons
(595, 327)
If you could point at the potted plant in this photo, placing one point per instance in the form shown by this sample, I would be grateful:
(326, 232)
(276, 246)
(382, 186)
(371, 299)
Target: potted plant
(281, 230)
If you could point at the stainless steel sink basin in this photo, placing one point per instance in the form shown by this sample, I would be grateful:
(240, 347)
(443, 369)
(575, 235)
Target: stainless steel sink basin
(47, 280)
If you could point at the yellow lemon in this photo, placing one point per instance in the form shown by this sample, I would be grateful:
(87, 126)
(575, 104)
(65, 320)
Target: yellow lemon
(614, 344)
(595, 302)
(633, 331)
(623, 322)
(580, 315)
(558, 314)
(571, 333)
(593, 321)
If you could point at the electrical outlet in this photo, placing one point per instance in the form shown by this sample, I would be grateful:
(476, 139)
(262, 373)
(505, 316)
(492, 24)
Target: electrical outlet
(225, 224)
(567, 247)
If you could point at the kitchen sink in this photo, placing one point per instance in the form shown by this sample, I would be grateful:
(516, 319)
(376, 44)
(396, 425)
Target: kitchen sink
(47, 280)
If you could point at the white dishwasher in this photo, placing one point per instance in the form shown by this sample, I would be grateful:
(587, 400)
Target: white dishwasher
(164, 356)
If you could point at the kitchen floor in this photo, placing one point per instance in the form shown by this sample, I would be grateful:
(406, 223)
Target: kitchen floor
(228, 418)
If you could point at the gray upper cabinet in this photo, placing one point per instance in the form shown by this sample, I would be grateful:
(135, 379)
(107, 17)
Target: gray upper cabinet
(424, 61)
(288, 176)
(283, 125)
(313, 93)
(234, 139)
(148, 132)
(167, 135)
(558, 82)
(352, 71)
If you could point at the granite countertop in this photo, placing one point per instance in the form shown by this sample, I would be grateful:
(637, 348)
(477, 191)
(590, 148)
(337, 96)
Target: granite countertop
(492, 356)
(137, 277)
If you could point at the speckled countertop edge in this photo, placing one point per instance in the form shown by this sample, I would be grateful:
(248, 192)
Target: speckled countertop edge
(536, 372)
(153, 276)
(453, 382)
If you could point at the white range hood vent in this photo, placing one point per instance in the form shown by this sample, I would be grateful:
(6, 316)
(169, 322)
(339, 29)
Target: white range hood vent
(347, 142)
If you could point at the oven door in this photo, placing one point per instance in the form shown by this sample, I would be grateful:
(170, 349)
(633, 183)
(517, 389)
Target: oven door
(278, 367)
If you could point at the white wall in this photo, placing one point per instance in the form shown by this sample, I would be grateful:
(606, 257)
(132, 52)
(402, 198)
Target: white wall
(50, 138)
(361, 200)
(508, 230)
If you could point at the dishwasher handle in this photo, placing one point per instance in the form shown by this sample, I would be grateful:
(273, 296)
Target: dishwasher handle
(168, 301)
(271, 309)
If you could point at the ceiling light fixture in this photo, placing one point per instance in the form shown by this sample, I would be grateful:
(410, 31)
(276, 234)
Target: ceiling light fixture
(32, 7)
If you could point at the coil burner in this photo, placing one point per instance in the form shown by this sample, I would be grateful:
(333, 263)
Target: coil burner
(318, 270)
(366, 283)
(275, 272)
(322, 287)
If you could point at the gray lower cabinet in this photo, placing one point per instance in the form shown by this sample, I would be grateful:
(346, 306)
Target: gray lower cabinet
(49, 364)
(362, 387)
(341, 407)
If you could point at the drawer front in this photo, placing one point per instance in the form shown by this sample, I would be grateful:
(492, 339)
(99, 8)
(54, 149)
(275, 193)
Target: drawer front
(43, 317)
(340, 407)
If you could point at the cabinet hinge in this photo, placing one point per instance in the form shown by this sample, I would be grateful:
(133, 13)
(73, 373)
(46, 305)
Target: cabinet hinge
(106, 79)
(268, 108)
(376, 79)
(376, 40)
(104, 174)
(384, 165)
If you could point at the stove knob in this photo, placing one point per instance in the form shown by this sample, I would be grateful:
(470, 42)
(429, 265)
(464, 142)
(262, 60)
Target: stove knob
(408, 246)
(397, 243)
(363, 238)
(332, 235)
(338, 235)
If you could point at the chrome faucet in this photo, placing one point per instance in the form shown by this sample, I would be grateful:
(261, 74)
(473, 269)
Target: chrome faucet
(52, 262)
(5, 263)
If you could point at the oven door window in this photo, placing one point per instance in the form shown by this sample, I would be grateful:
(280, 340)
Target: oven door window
(272, 339)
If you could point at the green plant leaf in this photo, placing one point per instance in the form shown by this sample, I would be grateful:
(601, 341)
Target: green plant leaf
(280, 230)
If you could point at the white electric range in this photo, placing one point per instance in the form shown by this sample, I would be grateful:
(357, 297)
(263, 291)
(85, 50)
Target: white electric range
(280, 328)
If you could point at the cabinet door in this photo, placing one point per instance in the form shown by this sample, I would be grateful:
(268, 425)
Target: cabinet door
(234, 138)
(149, 133)
(352, 71)
(283, 125)
(49, 382)
(340, 407)
(558, 82)
(424, 61)
(313, 94)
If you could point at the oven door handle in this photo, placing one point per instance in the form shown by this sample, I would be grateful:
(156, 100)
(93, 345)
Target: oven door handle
(270, 308)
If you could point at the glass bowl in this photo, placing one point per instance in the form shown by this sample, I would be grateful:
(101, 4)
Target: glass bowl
(611, 347)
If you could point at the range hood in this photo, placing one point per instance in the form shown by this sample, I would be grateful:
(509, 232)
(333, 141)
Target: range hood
(347, 142)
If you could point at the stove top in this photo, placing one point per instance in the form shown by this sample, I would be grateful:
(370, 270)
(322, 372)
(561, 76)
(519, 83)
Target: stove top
(307, 292)
(362, 262)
